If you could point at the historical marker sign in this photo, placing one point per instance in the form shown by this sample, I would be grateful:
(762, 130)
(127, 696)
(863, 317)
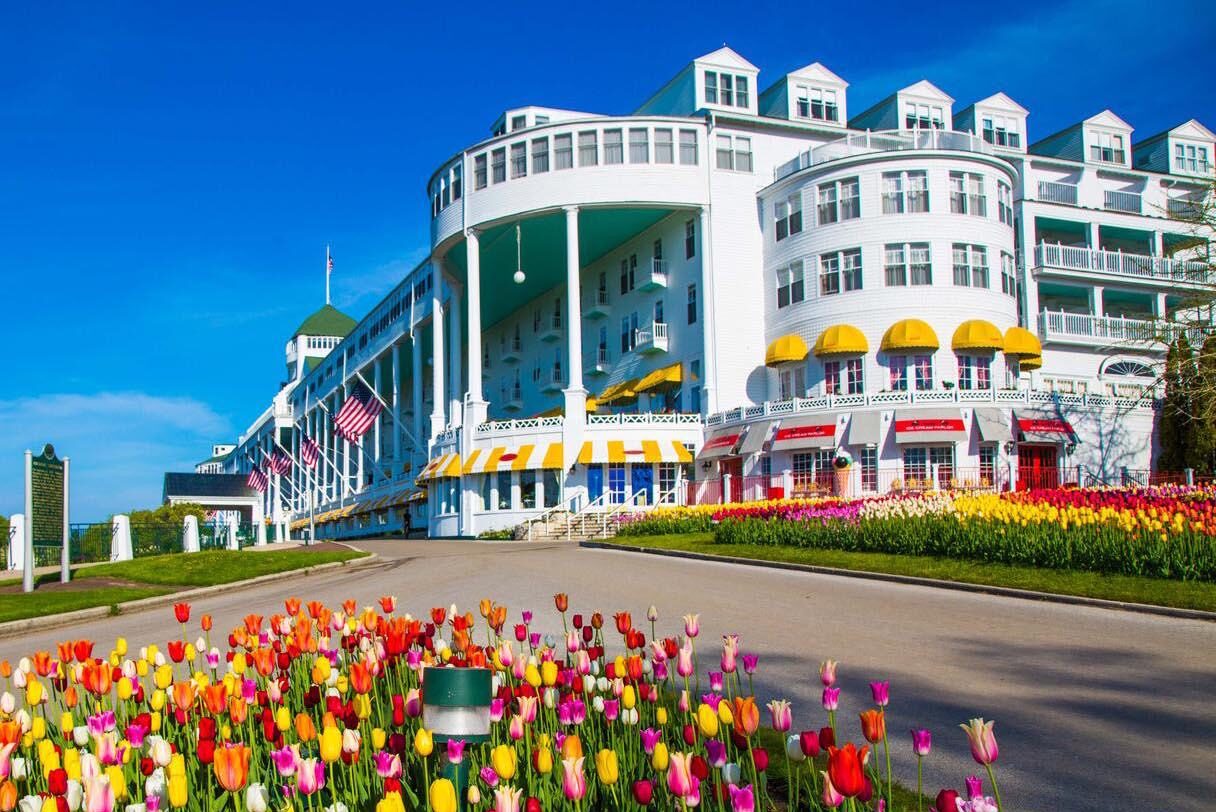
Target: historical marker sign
(45, 522)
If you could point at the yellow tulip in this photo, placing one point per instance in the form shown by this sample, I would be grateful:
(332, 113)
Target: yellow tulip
(66, 723)
(443, 796)
(125, 689)
(544, 756)
(660, 715)
(156, 718)
(606, 767)
(379, 737)
(659, 758)
(177, 791)
(38, 728)
(391, 802)
(120, 647)
(34, 693)
(331, 744)
(118, 782)
(343, 684)
(240, 662)
(282, 719)
(503, 759)
(629, 697)
(532, 675)
(548, 672)
(49, 805)
(707, 720)
(725, 716)
(141, 668)
(163, 677)
(424, 742)
(177, 765)
(363, 706)
(191, 651)
(71, 763)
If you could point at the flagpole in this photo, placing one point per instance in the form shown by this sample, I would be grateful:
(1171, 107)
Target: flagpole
(338, 473)
(311, 479)
(328, 271)
(387, 409)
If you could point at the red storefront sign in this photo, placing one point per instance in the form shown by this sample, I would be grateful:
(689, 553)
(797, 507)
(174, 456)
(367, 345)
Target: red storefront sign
(806, 432)
(1044, 426)
(929, 424)
(723, 441)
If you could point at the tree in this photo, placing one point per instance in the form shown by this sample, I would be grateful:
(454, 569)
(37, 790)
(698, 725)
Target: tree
(1173, 411)
(1205, 414)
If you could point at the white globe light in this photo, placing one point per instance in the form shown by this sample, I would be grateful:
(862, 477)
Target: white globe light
(519, 277)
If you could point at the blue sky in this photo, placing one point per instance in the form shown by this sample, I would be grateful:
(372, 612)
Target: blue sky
(170, 173)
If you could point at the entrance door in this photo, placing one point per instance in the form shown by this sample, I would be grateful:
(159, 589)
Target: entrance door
(642, 479)
(595, 482)
(1038, 467)
(734, 467)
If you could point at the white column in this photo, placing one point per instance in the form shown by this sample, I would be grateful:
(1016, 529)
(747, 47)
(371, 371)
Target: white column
(416, 392)
(575, 394)
(380, 418)
(473, 296)
(437, 404)
(455, 360)
(345, 445)
(1093, 236)
(1096, 301)
(396, 402)
(709, 388)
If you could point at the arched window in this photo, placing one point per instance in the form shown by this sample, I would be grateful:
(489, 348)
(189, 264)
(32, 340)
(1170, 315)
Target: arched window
(1128, 369)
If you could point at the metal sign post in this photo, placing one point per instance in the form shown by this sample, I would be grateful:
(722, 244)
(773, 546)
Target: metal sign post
(65, 555)
(27, 575)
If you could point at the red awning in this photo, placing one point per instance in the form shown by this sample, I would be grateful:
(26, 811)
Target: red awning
(1044, 428)
(930, 426)
(720, 444)
(818, 431)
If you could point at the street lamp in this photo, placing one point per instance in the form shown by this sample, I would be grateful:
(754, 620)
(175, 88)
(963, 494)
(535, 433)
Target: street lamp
(456, 706)
(519, 276)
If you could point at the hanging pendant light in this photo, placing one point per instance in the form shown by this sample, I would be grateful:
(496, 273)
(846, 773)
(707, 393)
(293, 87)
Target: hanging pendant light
(519, 270)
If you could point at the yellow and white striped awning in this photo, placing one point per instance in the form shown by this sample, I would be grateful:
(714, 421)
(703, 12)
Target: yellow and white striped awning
(619, 451)
(514, 458)
(445, 465)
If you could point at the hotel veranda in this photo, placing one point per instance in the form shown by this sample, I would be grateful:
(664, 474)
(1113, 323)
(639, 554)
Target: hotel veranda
(732, 291)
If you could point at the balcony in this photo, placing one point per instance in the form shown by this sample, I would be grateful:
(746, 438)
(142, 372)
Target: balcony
(512, 399)
(1128, 202)
(1056, 192)
(1108, 331)
(1138, 266)
(597, 362)
(552, 329)
(657, 278)
(868, 143)
(651, 339)
(513, 351)
(597, 305)
(554, 381)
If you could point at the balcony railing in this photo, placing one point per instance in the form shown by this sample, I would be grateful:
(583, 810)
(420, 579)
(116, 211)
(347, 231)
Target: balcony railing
(652, 338)
(1129, 202)
(1111, 329)
(552, 330)
(597, 361)
(1056, 192)
(513, 351)
(657, 278)
(1082, 258)
(554, 380)
(887, 141)
(597, 304)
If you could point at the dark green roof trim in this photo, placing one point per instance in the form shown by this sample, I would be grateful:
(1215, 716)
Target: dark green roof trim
(328, 321)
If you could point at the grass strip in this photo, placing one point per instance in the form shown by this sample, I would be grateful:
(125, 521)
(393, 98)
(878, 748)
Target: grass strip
(211, 567)
(19, 606)
(1127, 588)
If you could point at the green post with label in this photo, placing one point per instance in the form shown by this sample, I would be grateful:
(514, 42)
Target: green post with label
(47, 520)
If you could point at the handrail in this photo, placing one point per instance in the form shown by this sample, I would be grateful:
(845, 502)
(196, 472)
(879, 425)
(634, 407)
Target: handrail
(620, 507)
(543, 517)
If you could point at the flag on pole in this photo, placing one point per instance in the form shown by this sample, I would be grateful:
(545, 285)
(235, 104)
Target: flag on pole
(310, 452)
(357, 414)
(280, 463)
(256, 479)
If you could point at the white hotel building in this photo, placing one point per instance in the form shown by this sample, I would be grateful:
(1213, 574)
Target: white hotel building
(716, 296)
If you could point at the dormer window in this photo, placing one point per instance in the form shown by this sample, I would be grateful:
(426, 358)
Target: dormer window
(1191, 158)
(1001, 131)
(518, 122)
(1107, 148)
(731, 90)
(817, 103)
(924, 117)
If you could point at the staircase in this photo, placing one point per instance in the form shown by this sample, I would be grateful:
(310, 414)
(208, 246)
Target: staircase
(597, 520)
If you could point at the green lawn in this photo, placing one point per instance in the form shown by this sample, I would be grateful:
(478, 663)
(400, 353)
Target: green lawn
(159, 575)
(1156, 591)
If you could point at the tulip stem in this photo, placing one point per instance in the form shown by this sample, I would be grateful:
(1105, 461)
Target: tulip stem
(886, 750)
(920, 787)
(996, 792)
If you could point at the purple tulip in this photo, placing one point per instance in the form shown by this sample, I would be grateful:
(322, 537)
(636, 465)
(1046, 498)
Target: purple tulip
(716, 681)
(975, 787)
(650, 737)
(831, 698)
(922, 740)
(881, 691)
(715, 752)
(749, 663)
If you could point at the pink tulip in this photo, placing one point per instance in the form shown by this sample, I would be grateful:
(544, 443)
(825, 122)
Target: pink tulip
(881, 691)
(650, 737)
(574, 781)
(783, 718)
(983, 742)
(413, 703)
(827, 673)
(286, 760)
(98, 795)
(922, 740)
(742, 800)
(506, 799)
(679, 774)
(456, 750)
(692, 625)
(527, 709)
(388, 765)
(310, 776)
(831, 698)
(684, 658)
(831, 797)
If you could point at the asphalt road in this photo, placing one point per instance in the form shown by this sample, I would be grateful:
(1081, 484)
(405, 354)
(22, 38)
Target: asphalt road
(1095, 709)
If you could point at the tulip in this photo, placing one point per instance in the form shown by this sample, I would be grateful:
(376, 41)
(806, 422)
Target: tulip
(504, 761)
(574, 781)
(827, 673)
(643, 792)
(747, 716)
(424, 742)
(983, 743)
(506, 799)
(692, 625)
(831, 797)
(831, 698)
(881, 691)
(659, 759)
(257, 798)
(606, 767)
(707, 721)
(310, 776)
(921, 742)
(231, 766)
(679, 774)
(182, 612)
(808, 742)
(947, 801)
(793, 748)
(742, 800)
(873, 725)
(846, 767)
(782, 718)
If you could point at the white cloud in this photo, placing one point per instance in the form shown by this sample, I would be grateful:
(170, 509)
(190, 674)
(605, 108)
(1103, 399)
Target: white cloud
(121, 444)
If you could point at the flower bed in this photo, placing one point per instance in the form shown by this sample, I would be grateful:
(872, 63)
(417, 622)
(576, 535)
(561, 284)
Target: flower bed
(321, 708)
(1165, 532)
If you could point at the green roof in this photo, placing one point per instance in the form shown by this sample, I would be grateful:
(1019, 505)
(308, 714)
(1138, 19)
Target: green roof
(311, 362)
(328, 321)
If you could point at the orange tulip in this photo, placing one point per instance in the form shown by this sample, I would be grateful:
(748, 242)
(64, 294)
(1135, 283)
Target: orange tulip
(561, 601)
(69, 697)
(253, 624)
(10, 732)
(263, 661)
(42, 663)
(498, 618)
(349, 606)
(572, 747)
(183, 695)
(6, 669)
(360, 678)
(8, 796)
(205, 622)
(292, 605)
(485, 606)
(747, 716)
(65, 651)
(388, 603)
(873, 725)
(369, 619)
(237, 710)
(314, 609)
(305, 729)
(232, 766)
(96, 677)
(215, 697)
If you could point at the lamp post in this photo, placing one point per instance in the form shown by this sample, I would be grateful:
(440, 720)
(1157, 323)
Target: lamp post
(456, 706)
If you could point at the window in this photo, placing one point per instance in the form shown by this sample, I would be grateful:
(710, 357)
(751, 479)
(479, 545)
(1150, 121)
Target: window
(668, 471)
(457, 174)
(1004, 202)
(742, 92)
(792, 383)
(711, 87)
(923, 364)
(970, 265)
(519, 159)
(639, 145)
(817, 103)
(633, 270)
(479, 171)
(987, 464)
(942, 460)
(1129, 369)
(967, 194)
(694, 392)
(829, 211)
(664, 152)
(658, 312)
(896, 266)
(916, 465)
(1191, 158)
(850, 199)
(850, 269)
(688, 147)
(850, 384)
(504, 490)
(726, 82)
(692, 304)
(829, 274)
(588, 154)
(1001, 131)
(541, 120)
(790, 285)
(540, 155)
(616, 483)
(920, 264)
(811, 467)
(923, 117)
(905, 192)
(690, 239)
(974, 372)
(487, 488)
(788, 215)
(625, 277)
(626, 336)
(614, 148)
(869, 469)
(839, 200)
(734, 153)
(527, 490)
(725, 152)
(727, 88)
(1009, 284)
(1106, 148)
(898, 367)
(908, 263)
(498, 165)
(552, 486)
(563, 151)
(518, 122)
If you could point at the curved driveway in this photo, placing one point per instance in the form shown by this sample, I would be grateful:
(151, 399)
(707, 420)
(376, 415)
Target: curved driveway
(1095, 709)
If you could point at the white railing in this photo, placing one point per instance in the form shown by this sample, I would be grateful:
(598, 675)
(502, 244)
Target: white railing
(658, 271)
(885, 141)
(645, 419)
(1057, 192)
(597, 358)
(1083, 258)
(1112, 328)
(566, 506)
(886, 400)
(597, 298)
(526, 424)
(1122, 201)
(653, 336)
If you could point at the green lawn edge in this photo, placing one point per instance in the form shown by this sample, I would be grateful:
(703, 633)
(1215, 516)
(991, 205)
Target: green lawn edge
(1124, 588)
(161, 575)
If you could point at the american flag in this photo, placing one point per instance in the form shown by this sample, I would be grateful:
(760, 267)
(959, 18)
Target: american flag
(256, 480)
(280, 463)
(357, 414)
(329, 264)
(310, 452)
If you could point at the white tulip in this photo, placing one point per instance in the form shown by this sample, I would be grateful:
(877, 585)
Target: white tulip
(8, 703)
(19, 681)
(30, 803)
(74, 795)
(598, 704)
(731, 773)
(257, 799)
(793, 748)
(17, 769)
(80, 735)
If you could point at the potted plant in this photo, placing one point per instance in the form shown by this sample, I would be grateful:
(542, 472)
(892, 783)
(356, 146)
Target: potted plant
(841, 462)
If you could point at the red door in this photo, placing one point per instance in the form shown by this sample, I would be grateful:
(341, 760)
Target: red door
(1038, 467)
(734, 467)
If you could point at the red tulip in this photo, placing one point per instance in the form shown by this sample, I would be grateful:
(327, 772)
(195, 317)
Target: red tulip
(57, 781)
(827, 738)
(846, 768)
(808, 742)
(760, 757)
(623, 622)
(532, 804)
(182, 612)
(947, 801)
(643, 792)
(562, 603)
